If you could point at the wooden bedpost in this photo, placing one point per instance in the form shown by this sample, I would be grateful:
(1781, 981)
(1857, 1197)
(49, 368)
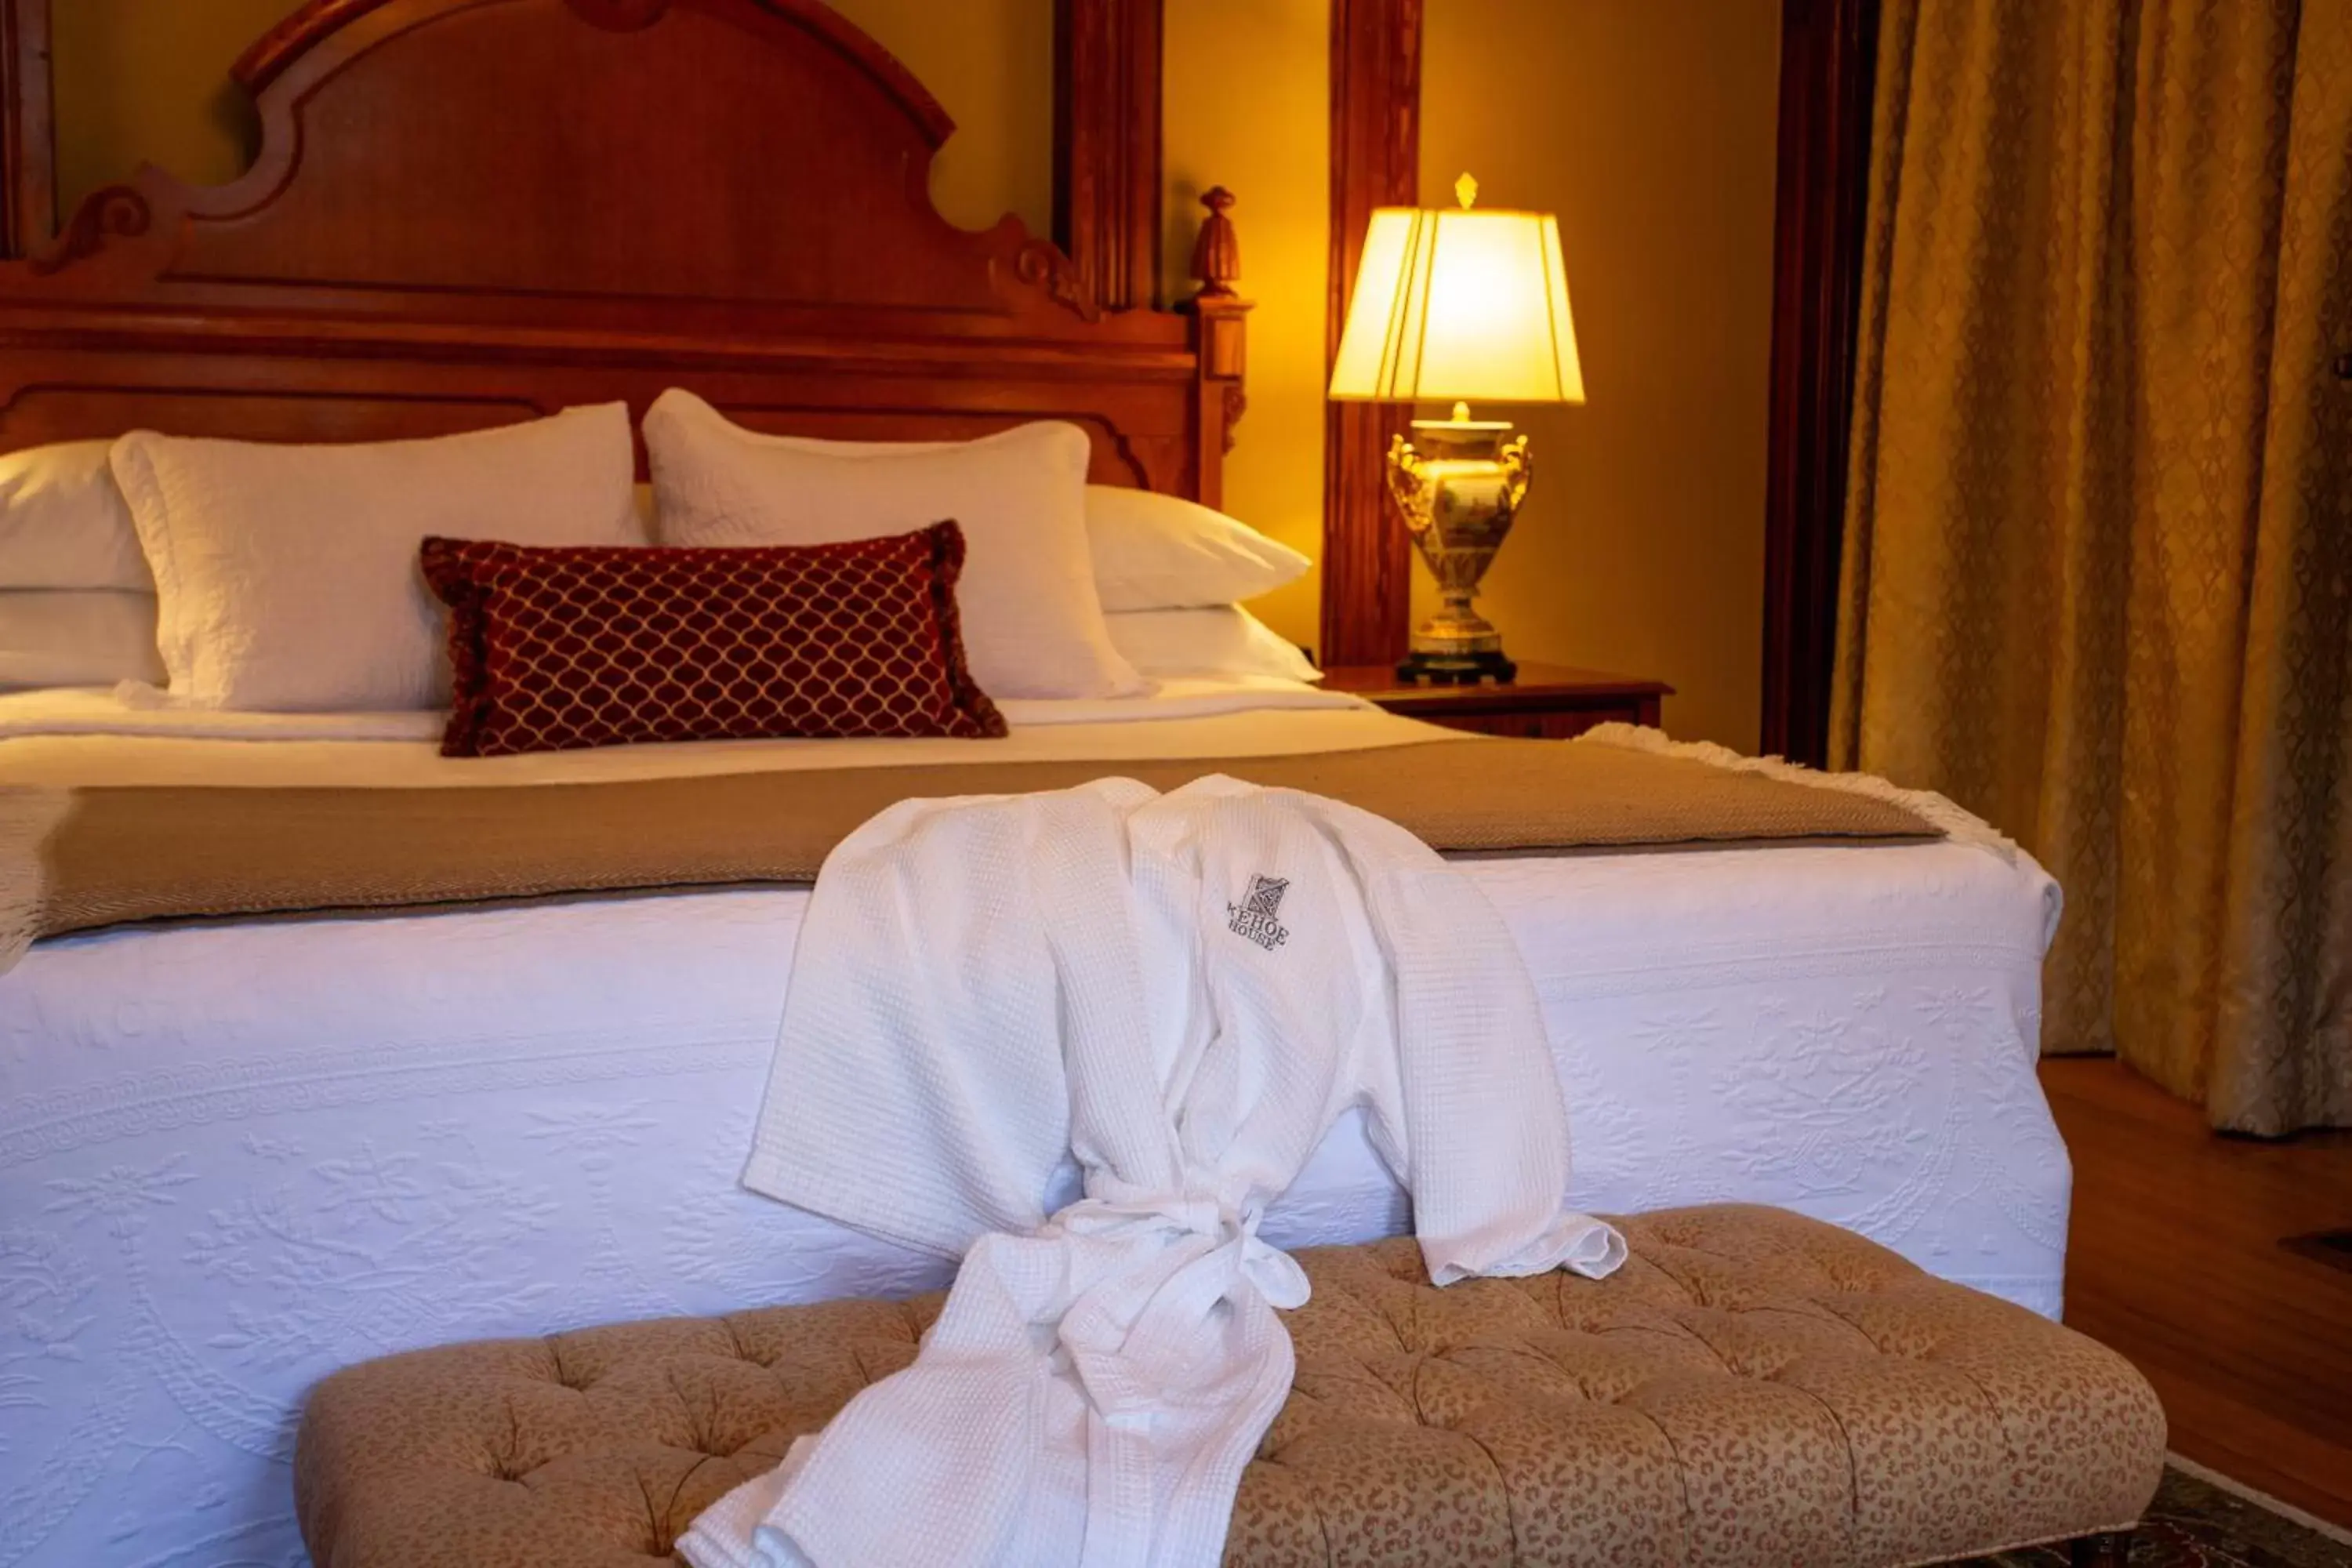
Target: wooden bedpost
(28, 161)
(1219, 338)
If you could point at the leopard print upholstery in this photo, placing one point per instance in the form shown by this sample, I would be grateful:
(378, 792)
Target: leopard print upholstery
(1752, 1388)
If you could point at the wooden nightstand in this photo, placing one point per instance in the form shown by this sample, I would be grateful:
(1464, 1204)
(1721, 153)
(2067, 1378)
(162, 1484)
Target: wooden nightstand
(1548, 701)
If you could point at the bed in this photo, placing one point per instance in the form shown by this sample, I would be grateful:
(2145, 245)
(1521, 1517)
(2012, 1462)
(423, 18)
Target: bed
(236, 1155)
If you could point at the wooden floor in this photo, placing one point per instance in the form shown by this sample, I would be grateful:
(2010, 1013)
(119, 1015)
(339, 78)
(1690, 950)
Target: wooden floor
(2175, 1261)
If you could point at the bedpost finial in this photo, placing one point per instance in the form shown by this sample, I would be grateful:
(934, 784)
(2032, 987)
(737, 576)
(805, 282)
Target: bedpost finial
(1217, 255)
(1218, 338)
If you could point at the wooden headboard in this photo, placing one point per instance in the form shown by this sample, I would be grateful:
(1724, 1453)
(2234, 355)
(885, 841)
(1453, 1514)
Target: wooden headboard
(469, 212)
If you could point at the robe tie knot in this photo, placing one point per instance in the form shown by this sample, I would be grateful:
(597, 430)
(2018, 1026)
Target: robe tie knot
(1135, 1338)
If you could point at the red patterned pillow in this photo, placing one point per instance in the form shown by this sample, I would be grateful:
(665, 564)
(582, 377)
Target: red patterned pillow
(557, 648)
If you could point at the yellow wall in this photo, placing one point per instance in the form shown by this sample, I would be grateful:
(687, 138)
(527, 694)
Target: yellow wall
(990, 63)
(1247, 93)
(147, 82)
(1649, 128)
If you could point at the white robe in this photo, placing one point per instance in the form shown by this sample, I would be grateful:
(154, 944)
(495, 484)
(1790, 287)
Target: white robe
(1184, 991)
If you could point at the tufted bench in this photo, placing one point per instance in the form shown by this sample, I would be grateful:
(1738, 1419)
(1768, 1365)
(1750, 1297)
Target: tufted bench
(1751, 1388)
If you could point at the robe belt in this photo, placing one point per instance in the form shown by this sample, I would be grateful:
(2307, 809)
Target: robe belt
(1144, 1336)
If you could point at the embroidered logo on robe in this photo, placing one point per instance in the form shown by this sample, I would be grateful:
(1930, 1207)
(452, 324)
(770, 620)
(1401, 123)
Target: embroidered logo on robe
(1254, 917)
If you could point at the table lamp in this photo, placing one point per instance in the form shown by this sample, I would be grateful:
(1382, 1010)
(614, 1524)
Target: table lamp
(1455, 306)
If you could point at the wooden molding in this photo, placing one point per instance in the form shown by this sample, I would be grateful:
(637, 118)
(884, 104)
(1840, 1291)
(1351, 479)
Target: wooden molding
(1828, 56)
(1107, 127)
(1375, 161)
(28, 161)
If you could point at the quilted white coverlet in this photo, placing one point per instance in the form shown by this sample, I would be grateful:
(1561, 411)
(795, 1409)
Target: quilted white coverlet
(234, 1157)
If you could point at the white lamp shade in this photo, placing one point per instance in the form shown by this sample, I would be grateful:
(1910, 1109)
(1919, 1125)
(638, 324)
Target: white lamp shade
(1469, 305)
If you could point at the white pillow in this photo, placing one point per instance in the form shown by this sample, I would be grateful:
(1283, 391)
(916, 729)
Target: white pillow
(63, 524)
(286, 575)
(1155, 551)
(1032, 622)
(1221, 639)
(77, 637)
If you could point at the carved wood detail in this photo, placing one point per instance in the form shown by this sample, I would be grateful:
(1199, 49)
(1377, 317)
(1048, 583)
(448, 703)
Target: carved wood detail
(502, 204)
(28, 161)
(1375, 163)
(1042, 263)
(1828, 50)
(1217, 253)
(275, 50)
(1107, 127)
(1217, 305)
(114, 211)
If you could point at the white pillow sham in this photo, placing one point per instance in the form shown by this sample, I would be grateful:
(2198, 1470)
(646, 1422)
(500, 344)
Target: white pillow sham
(1218, 640)
(1150, 551)
(63, 521)
(287, 577)
(77, 637)
(1031, 620)
(1155, 551)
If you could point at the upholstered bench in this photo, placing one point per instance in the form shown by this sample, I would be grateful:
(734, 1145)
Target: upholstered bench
(1751, 1388)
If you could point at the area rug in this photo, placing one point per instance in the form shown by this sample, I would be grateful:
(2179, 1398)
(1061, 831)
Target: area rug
(2194, 1524)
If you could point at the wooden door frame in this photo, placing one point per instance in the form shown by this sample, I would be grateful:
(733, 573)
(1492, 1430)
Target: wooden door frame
(1375, 163)
(28, 161)
(1106, 147)
(1828, 63)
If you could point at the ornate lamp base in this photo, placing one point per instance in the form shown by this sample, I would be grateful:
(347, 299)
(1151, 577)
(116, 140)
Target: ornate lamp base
(1455, 669)
(1457, 500)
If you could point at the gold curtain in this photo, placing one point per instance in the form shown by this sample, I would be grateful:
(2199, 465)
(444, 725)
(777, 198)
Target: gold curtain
(2097, 580)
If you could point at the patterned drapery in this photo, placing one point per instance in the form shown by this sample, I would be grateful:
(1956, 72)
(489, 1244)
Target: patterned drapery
(2098, 544)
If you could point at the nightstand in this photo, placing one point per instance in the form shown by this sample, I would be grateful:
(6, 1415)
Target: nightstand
(1548, 701)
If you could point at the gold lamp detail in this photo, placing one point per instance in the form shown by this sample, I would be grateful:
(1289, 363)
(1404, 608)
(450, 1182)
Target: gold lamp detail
(1453, 306)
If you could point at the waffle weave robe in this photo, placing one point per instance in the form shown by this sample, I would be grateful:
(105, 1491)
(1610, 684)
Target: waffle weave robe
(1184, 991)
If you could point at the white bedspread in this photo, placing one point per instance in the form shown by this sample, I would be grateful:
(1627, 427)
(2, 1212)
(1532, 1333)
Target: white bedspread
(1187, 990)
(234, 1157)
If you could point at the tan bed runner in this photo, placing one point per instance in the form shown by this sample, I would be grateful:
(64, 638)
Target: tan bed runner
(123, 854)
